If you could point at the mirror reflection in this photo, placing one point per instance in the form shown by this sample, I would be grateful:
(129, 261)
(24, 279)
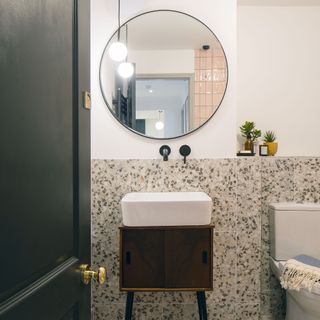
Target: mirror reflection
(163, 74)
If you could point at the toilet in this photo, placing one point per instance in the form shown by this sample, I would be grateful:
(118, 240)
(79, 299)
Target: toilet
(294, 230)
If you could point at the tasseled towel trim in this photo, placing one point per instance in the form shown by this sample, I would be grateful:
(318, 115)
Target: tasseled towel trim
(297, 275)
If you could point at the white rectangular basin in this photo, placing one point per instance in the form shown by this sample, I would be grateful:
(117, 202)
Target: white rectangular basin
(166, 209)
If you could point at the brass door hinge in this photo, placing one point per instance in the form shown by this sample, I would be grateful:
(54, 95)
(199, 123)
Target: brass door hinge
(86, 100)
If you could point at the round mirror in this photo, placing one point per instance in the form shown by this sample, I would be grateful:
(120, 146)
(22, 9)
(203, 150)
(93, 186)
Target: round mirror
(163, 74)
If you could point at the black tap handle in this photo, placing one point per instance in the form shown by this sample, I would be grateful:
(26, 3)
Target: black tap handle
(185, 150)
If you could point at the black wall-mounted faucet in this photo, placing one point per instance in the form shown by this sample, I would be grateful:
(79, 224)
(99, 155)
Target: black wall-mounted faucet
(185, 150)
(165, 151)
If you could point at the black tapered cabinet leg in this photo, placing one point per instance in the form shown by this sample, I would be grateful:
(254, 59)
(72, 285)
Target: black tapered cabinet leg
(129, 305)
(199, 305)
(201, 298)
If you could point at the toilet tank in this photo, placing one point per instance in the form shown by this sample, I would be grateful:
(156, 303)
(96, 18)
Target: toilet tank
(294, 229)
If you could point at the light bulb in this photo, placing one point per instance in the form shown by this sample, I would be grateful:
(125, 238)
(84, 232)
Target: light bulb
(118, 51)
(159, 125)
(126, 69)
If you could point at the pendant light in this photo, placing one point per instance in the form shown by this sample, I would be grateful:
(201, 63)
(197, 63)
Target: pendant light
(118, 51)
(126, 68)
(159, 124)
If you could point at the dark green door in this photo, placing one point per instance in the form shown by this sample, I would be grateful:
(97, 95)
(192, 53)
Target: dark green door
(44, 159)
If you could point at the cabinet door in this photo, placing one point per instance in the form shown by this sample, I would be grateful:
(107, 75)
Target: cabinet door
(188, 258)
(142, 259)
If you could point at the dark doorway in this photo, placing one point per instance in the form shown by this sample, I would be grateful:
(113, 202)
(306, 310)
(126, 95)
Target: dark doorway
(45, 159)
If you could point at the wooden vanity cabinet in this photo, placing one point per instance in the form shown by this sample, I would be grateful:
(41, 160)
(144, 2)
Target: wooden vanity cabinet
(166, 258)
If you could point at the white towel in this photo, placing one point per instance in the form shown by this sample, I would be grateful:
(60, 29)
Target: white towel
(300, 272)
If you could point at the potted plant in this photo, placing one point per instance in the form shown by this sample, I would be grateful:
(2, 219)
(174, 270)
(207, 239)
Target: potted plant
(249, 131)
(269, 139)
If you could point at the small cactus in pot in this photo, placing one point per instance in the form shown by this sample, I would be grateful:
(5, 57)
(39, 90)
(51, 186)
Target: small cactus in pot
(269, 138)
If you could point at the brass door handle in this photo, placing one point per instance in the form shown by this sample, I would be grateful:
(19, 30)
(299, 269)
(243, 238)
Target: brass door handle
(87, 274)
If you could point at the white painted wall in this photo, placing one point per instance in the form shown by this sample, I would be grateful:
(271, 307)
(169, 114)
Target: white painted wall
(279, 74)
(168, 61)
(216, 139)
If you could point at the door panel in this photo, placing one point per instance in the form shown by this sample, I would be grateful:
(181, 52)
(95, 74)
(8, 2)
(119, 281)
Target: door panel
(142, 258)
(45, 162)
(37, 121)
(188, 258)
(47, 298)
(70, 315)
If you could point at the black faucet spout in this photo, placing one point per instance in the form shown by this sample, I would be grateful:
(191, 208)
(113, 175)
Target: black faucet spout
(165, 151)
(165, 155)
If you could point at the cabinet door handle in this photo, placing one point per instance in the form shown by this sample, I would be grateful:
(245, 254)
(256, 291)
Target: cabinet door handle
(205, 257)
(128, 257)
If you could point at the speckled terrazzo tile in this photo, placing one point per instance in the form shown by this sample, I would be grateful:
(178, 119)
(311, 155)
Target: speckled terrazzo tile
(224, 288)
(107, 295)
(266, 307)
(265, 238)
(220, 311)
(249, 228)
(248, 194)
(179, 297)
(182, 177)
(247, 311)
(277, 181)
(238, 187)
(148, 297)
(277, 185)
(265, 266)
(248, 250)
(267, 279)
(144, 175)
(224, 269)
(105, 236)
(307, 180)
(104, 255)
(224, 249)
(220, 183)
(248, 287)
(273, 303)
(109, 311)
(105, 193)
(116, 311)
(248, 267)
(180, 311)
(147, 311)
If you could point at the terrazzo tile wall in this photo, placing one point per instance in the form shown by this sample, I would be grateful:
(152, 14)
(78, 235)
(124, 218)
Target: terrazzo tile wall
(241, 189)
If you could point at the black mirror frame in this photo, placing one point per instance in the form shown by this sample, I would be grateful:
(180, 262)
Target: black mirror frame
(105, 99)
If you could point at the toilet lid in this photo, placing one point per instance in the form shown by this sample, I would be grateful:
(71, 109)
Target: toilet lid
(279, 267)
